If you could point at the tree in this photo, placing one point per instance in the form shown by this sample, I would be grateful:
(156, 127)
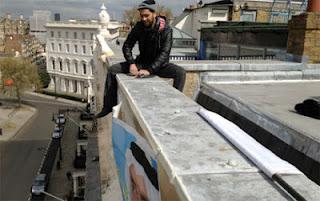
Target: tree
(22, 73)
(132, 16)
(44, 78)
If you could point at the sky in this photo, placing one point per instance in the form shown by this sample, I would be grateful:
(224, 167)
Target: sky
(83, 9)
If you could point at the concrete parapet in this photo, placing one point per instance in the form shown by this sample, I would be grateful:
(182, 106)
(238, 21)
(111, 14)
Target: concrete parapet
(240, 65)
(195, 162)
(209, 65)
(257, 76)
(311, 74)
(241, 70)
(269, 65)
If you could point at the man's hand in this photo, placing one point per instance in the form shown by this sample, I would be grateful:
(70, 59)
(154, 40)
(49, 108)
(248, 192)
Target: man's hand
(143, 73)
(133, 69)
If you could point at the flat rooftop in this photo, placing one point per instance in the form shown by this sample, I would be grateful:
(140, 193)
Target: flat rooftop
(277, 100)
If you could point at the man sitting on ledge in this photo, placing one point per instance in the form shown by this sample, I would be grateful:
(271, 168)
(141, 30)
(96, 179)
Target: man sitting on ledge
(154, 36)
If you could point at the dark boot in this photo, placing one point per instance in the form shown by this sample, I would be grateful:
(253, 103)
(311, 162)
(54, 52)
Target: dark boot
(104, 112)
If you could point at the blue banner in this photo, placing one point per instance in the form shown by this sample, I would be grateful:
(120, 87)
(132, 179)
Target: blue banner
(136, 164)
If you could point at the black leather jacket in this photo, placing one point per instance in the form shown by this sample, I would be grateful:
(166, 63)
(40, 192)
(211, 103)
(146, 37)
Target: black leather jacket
(154, 46)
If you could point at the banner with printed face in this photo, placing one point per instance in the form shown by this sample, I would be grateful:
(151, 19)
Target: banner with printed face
(136, 164)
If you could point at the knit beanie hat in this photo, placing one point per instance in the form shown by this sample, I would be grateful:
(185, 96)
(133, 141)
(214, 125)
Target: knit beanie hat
(150, 4)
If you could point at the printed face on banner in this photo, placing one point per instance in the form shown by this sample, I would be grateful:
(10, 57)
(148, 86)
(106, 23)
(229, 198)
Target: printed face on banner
(136, 164)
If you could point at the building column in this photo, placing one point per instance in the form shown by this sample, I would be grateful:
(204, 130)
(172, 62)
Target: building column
(90, 70)
(71, 86)
(58, 84)
(90, 90)
(63, 85)
(51, 85)
(304, 36)
(67, 83)
(75, 186)
(79, 88)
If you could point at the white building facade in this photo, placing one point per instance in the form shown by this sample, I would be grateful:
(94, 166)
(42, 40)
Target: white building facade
(70, 53)
(70, 47)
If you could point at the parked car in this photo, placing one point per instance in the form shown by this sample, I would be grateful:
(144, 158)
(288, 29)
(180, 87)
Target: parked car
(39, 184)
(57, 132)
(61, 120)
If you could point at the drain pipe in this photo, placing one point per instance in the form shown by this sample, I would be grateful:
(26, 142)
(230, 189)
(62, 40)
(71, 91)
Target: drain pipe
(313, 6)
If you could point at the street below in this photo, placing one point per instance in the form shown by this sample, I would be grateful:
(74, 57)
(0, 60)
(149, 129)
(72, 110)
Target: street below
(21, 156)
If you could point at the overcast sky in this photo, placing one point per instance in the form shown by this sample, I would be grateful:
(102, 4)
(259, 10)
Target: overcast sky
(84, 9)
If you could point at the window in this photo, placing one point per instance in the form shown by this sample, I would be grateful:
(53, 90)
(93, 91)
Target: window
(75, 67)
(218, 13)
(75, 35)
(248, 16)
(60, 47)
(60, 62)
(52, 34)
(67, 34)
(84, 68)
(59, 34)
(83, 35)
(91, 36)
(83, 49)
(67, 48)
(75, 48)
(53, 64)
(52, 46)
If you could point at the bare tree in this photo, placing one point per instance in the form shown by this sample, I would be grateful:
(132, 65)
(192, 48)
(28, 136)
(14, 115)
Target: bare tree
(164, 11)
(20, 73)
(131, 16)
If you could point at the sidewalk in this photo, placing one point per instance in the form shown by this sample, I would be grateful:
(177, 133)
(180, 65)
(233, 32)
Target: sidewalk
(62, 100)
(59, 184)
(13, 119)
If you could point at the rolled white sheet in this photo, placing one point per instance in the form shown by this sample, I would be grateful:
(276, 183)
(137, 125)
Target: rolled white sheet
(266, 160)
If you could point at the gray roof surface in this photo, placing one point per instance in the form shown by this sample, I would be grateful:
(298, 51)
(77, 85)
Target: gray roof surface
(278, 99)
(179, 34)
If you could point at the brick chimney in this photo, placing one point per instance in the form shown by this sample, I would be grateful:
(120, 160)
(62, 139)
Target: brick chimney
(304, 33)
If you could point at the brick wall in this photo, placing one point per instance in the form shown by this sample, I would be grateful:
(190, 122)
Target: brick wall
(304, 36)
(263, 10)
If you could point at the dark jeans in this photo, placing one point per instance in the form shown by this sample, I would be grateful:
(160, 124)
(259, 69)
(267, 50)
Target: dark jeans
(110, 92)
